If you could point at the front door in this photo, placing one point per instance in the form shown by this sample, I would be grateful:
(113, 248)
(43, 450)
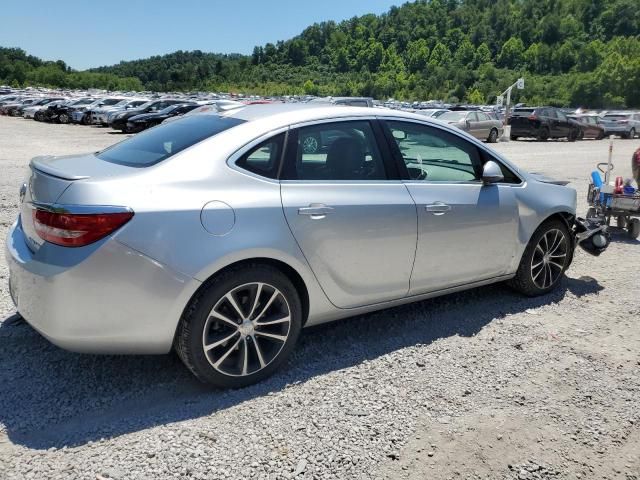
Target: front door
(466, 230)
(352, 216)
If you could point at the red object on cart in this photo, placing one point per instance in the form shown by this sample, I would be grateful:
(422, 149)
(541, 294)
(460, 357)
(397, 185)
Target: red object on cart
(619, 186)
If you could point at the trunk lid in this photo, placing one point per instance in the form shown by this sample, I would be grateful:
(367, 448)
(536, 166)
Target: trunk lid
(49, 177)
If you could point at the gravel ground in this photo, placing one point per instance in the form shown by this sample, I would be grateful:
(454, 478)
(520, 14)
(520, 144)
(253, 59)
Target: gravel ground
(481, 384)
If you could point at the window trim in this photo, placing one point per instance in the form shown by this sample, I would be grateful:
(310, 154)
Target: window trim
(482, 152)
(239, 153)
(291, 150)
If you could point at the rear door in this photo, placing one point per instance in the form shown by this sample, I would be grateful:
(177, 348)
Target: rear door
(350, 213)
(475, 125)
(466, 230)
(485, 125)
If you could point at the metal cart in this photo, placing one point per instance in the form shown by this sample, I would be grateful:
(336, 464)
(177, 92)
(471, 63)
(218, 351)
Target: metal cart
(604, 204)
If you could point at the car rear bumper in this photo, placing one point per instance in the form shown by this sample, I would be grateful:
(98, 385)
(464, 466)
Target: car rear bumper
(617, 130)
(103, 298)
(524, 131)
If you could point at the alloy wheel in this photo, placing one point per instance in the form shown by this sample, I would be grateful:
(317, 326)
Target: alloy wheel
(246, 329)
(549, 258)
(310, 145)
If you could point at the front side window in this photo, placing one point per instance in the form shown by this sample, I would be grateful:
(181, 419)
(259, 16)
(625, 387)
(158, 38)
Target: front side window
(157, 144)
(337, 151)
(264, 159)
(434, 155)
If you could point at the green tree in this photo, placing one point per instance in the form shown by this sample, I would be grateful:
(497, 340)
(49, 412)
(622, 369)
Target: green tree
(475, 96)
(512, 53)
(440, 55)
(417, 55)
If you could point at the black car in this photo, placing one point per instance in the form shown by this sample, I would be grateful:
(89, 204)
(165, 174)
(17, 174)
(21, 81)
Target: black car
(148, 120)
(62, 112)
(119, 122)
(542, 123)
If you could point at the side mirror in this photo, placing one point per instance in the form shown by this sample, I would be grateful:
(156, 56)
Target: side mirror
(491, 173)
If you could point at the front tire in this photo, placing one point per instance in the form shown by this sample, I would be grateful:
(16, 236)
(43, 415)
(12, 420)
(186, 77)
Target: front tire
(632, 133)
(544, 261)
(241, 327)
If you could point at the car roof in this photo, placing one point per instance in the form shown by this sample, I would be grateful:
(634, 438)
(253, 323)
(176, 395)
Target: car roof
(282, 114)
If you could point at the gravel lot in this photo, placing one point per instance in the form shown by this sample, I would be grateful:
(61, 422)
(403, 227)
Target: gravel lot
(482, 384)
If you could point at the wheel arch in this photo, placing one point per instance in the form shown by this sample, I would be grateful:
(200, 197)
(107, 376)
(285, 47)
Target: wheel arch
(291, 273)
(567, 219)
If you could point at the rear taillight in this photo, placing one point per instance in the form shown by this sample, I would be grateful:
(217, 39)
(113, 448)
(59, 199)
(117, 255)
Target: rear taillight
(532, 117)
(76, 230)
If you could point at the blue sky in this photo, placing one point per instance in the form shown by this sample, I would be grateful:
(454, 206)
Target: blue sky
(90, 33)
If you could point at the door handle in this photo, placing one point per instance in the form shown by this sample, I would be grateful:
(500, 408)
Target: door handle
(438, 208)
(315, 211)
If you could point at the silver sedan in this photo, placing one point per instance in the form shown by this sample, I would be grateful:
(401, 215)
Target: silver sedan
(221, 236)
(479, 124)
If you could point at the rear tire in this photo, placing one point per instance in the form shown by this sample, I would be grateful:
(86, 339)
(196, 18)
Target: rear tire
(514, 137)
(63, 118)
(493, 136)
(633, 228)
(621, 221)
(544, 261)
(543, 136)
(233, 347)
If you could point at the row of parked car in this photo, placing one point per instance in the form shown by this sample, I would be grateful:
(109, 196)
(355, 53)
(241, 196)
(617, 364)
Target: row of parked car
(545, 123)
(127, 114)
(131, 114)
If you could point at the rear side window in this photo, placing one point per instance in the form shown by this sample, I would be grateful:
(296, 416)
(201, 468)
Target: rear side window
(158, 144)
(336, 151)
(264, 160)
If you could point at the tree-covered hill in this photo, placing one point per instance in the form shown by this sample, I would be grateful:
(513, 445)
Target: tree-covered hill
(571, 52)
(19, 69)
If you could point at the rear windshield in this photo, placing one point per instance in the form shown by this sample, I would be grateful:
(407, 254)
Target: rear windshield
(617, 117)
(523, 111)
(453, 116)
(158, 144)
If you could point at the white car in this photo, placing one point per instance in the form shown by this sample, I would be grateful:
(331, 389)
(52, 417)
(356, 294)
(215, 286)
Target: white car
(100, 116)
(211, 107)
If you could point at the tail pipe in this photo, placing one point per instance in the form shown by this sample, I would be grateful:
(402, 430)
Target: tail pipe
(591, 236)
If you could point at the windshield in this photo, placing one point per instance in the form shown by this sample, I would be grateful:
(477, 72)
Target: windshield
(111, 101)
(160, 143)
(453, 116)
